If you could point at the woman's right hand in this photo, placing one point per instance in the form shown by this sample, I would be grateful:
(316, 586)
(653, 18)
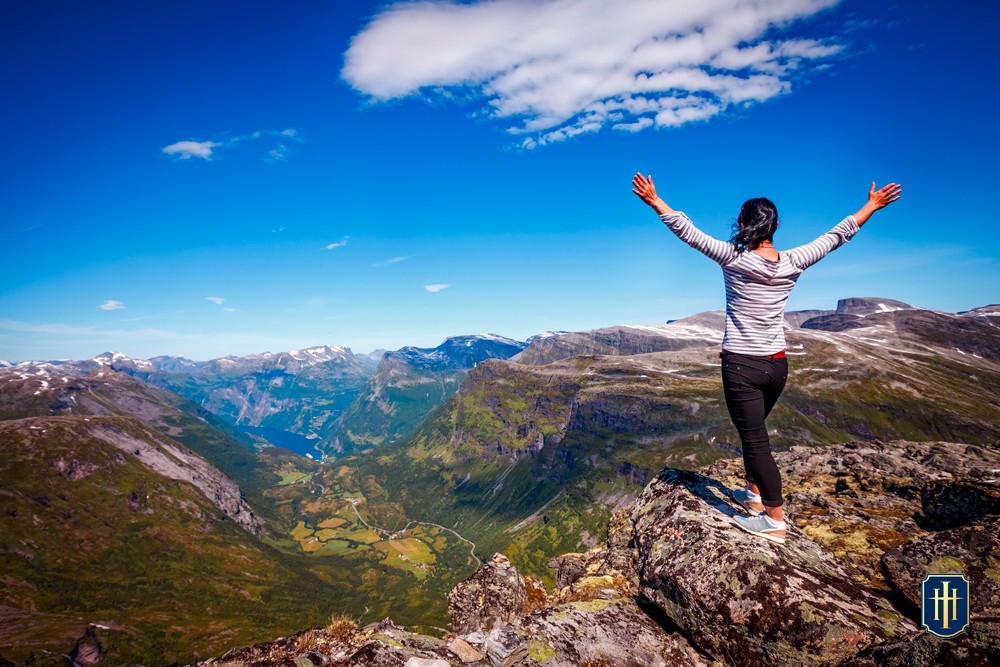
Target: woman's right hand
(877, 199)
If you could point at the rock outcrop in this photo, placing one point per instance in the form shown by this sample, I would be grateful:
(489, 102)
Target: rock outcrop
(754, 601)
(676, 584)
(493, 596)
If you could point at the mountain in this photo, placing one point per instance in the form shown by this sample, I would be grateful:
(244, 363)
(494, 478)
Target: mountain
(319, 549)
(983, 311)
(374, 356)
(689, 332)
(409, 383)
(694, 331)
(114, 521)
(532, 459)
(301, 392)
(46, 389)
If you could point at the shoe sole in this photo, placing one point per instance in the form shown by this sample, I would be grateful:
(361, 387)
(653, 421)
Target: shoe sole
(766, 536)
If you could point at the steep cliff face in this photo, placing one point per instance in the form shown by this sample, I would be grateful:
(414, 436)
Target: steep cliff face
(409, 383)
(301, 391)
(675, 583)
(48, 391)
(123, 539)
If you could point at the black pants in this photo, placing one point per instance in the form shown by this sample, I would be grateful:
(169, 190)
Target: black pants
(752, 386)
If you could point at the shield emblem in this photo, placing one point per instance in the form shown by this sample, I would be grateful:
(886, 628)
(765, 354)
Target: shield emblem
(944, 604)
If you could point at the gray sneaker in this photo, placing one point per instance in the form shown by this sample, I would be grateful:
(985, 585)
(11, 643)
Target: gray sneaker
(753, 507)
(761, 526)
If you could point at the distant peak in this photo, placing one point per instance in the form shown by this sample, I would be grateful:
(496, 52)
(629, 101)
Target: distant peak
(869, 305)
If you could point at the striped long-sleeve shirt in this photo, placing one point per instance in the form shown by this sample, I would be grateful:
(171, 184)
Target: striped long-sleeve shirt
(757, 288)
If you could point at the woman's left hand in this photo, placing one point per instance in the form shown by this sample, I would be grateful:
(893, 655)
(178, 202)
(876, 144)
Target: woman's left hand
(643, 187)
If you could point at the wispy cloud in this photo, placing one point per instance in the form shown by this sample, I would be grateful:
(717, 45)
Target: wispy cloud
(185, 150)
(111, 304)
(219, 343)
(189, 148)
(391, 260)
(218, 300)
(437, 287)
(230, 310)
(555, 69)
(338, 244)
(72, 330)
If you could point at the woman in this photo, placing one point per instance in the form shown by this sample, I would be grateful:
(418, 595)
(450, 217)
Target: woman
(754, 368)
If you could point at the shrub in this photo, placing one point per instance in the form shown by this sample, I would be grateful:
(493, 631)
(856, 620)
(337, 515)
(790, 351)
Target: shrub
(309, 640)
(341, 627)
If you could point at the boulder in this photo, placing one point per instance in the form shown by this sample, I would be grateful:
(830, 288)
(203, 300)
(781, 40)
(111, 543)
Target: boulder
(882, 503)
(312, 659)
(970, 550)
(465, 651)
(505, 646)
(489, 599)
(919, 648)
(604, 632)
(949, 504)
(743, 599)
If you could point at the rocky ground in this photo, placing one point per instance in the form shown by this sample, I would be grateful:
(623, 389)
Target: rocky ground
(675, 584)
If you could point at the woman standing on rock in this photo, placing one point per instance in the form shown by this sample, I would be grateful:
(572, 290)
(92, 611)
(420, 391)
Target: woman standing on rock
(754, 367)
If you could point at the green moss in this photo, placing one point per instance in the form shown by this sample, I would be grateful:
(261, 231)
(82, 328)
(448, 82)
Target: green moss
(540, 650)
(592, 606)
(945, 565)
(386, 639)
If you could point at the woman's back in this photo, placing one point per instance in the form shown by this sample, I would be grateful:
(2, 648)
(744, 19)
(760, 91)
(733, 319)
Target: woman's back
(757, 288)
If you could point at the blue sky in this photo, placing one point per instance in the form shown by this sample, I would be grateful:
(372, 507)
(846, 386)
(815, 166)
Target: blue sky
(212, 178)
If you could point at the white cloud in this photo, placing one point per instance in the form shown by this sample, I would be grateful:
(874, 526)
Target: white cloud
(338, 244)
(437, 287)
(391, 260)
(555, 69)
(185, 150)
(111, 304)
(279, 153)
(218, 300)
(230, 310)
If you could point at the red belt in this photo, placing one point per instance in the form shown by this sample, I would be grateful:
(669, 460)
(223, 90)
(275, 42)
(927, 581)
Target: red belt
(776, 355)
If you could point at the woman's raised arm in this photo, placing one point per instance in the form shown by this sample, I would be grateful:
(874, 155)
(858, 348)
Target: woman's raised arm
(719, 251)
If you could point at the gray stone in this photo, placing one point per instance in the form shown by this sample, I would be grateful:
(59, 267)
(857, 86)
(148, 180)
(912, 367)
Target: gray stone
(312, 659)
(493, 596)
(744, 599)
(949, 504)
(604, 632)
(506, 646)
(970, 550)
(465, 651)
(414, 661)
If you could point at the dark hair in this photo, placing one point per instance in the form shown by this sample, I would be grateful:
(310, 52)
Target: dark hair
(756, 223)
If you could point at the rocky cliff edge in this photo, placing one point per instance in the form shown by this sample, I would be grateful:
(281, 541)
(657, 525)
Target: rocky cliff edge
(675, 584)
